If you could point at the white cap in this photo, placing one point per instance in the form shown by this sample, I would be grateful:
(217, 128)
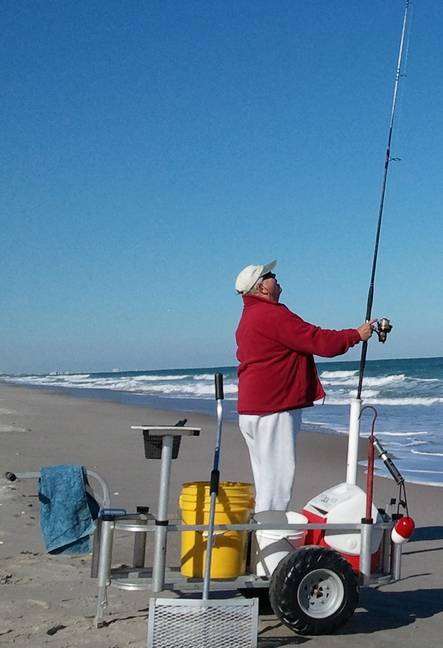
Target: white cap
(250, 275)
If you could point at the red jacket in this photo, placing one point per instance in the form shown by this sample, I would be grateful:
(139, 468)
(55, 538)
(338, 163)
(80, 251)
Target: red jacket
(275, 350)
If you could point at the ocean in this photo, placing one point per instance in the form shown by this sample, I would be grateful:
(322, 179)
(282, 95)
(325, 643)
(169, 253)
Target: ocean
(407, 393)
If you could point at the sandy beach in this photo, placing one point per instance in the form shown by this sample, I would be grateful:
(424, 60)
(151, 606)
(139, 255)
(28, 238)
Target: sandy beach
(50, 601)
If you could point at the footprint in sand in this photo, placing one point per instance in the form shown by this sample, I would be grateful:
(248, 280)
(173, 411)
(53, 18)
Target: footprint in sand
(12, 428)
(42, 604)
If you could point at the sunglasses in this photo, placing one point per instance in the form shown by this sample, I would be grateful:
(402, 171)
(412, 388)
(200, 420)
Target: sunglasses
(268, 275)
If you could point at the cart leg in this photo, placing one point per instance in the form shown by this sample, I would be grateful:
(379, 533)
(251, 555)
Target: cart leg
(104, 566)
(139, 549)
(386, 564)
(158, 570)
(396, 561)
(365, 551)
(139, 555)
(96, 548)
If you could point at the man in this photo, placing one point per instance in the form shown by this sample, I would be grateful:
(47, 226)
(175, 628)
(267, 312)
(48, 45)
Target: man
(277, 379)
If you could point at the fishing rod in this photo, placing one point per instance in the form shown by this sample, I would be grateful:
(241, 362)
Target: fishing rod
(384, 325)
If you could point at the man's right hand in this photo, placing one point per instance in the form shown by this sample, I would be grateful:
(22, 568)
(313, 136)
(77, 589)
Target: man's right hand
(366, 330)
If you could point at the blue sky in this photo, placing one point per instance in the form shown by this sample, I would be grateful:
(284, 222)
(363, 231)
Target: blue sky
(150, 150)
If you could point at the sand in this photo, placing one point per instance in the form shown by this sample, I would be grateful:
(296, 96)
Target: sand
(50, 601)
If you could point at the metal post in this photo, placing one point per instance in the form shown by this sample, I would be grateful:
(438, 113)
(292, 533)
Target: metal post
(386, 544)
(158, 571)
(382, 554)
(396, 560)
(365, 550)
(354, 434)
(139, 549)
(104, 565)
(139, 555)
(96, 548)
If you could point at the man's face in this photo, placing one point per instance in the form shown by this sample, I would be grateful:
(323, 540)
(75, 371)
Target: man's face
(270, 288)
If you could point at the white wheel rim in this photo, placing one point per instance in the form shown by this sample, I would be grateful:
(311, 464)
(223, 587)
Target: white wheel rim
(320, 593)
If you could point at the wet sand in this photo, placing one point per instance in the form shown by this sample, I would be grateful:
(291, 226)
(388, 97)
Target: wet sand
(41, 593)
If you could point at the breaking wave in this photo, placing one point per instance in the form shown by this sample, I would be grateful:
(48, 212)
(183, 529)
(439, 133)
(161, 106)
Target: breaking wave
(401, 434)
(166, 385)
(429, 454)
(394, 402)
(375, 381)
(338, 374)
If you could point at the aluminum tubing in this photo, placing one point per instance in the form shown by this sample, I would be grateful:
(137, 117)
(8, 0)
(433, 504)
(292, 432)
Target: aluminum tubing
(396, 561)
(104, 566)
(96, 548)
(158, 570)
(106, 542)
(354, 434)
(139, 549)
(365, 551)
(386, 562)
(209, 544)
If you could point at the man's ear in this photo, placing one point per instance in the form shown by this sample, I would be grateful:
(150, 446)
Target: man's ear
(262, 289)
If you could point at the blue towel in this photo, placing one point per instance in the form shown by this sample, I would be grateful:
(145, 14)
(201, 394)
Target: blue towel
(66, 509)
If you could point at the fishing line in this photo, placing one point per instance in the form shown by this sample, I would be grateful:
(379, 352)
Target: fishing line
(388, 159)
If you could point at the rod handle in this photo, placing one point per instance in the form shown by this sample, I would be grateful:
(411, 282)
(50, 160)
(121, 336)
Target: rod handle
(390, 465)
(215, 479)
(219, 395)
(392, 468)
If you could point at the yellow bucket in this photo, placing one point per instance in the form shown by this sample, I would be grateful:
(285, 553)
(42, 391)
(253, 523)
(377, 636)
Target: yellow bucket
(234, 505)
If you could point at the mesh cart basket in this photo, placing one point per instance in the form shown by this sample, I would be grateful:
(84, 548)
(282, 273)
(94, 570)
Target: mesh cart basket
(189, 623)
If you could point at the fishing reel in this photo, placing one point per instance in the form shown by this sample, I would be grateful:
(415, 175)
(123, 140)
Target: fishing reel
(382, 328)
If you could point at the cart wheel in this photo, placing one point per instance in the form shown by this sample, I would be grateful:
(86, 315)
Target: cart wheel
(313, 590)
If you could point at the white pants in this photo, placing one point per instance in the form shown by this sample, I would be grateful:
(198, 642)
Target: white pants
(271, 443)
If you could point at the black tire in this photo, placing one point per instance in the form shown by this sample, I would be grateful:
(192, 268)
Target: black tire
(313, 591)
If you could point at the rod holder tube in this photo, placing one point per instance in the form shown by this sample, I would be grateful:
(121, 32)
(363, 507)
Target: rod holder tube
(382, 554)
(96, 548)
(354, 435)
(158, 572)
(396, 561)
(139, 554)
(139, 549)
(365, 551)
(386, 551)
(104, 566)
